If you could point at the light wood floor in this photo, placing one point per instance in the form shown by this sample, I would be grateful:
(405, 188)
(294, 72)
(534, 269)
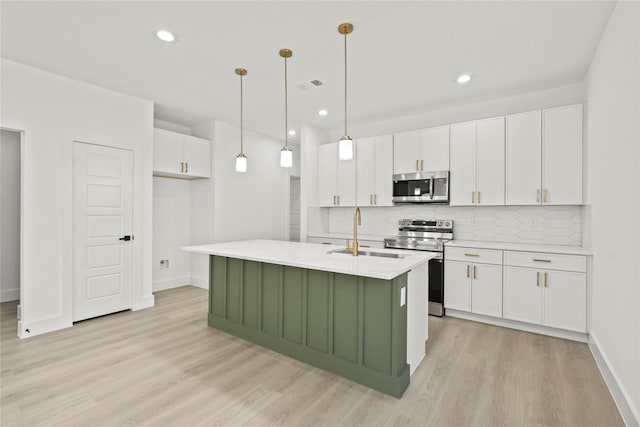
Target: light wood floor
(164, 366)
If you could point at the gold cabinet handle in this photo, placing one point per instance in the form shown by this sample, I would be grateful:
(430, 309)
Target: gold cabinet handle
(186, 167)
(326, 243)
(537, 195)
(545, 195)
(334, 200)
(181, 167)
(541, 260)
(545, 280)
(338, 200)
(468, 270)
(537, 278)
(370, 199)
(364, 246)
(471, 255)
(474, 272)
(473, 197)
(421, 165)
(478, 197)
(417, 165)
(375, 199)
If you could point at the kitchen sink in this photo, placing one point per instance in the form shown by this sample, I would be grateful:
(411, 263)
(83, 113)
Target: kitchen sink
(369, 253)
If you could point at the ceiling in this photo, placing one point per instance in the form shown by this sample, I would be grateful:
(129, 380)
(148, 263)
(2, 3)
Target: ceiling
(403, 56)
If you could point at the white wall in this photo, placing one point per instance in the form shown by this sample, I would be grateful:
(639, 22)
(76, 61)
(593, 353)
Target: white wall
(613, 135)
(171, 232)
(310, 138)
(237, 206)
(54, 111)
(9, 216)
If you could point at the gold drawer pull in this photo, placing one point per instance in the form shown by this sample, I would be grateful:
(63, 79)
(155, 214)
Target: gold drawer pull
(541, 260)
(537, 195)
(326, 243)
(537, 278)
(181, 167)
(545, 280)
(474, 272)
(473, 197)
(364, 246)
(468, 270)
(186, 167)
(375, 199)
(421, 165)
(478, 197)
(471, 255)
(417, 165)
(545, 195)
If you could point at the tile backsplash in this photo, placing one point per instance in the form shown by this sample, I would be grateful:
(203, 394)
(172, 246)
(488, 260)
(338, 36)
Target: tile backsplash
(554, 225)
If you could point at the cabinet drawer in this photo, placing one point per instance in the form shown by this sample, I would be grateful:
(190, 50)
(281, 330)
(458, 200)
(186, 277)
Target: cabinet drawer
(371, 244)
(546, 261)
(486, 256)
(326, 241)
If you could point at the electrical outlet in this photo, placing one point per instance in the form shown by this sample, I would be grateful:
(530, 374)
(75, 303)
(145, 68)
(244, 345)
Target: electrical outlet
(164, 263)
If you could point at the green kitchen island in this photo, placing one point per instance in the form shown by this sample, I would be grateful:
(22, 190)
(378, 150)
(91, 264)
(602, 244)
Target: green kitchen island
(363, 318)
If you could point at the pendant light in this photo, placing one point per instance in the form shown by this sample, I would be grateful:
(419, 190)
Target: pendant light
(286, 155)
(345, 145)
(241, 160)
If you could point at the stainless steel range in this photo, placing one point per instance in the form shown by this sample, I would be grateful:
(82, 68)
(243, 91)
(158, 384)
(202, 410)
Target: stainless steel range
(426, 235)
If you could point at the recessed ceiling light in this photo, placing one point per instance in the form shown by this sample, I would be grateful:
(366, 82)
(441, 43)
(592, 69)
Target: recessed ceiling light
(292, 132)
(165, 35)
(323, 112)
(463, 78)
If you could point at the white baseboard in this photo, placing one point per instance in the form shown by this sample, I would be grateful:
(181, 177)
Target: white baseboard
(163, 285)
(629, 413)
(38, 327)
(527, 327)
(10, 295)
(145, 302)
(200, 283)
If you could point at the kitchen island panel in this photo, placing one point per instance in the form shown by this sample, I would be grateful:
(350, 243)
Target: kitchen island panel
(318, 310)
(270, 299)
(345, 315)
(321, 318)
(292, 314)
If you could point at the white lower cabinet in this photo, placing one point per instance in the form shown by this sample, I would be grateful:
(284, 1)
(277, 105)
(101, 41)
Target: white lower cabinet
(473, 287)
(548, 297)
(530, 287)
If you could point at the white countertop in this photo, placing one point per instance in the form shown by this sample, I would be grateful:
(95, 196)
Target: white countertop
(348, 236)
(525, 247)
(315, 257)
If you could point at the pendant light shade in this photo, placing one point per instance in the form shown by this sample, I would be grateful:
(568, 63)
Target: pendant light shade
(345, 148)
(241, 160)
(286, 156)
(345, 145)
(241, 163)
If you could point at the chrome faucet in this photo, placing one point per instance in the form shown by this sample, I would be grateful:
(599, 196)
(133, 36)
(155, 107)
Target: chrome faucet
(357, 220)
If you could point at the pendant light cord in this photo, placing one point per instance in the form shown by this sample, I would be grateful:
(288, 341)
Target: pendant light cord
(241, 124)
(286, 107)
(345, 84)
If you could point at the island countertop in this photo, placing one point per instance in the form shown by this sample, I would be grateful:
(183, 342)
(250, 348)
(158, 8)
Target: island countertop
(315, 256)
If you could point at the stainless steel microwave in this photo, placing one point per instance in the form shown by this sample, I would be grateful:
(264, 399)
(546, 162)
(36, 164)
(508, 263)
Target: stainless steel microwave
(421, 187)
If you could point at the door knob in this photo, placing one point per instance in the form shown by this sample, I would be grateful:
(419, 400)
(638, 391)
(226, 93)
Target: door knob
(126, 238)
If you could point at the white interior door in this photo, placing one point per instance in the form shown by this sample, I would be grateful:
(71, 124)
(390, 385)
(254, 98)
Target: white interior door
(102, 217)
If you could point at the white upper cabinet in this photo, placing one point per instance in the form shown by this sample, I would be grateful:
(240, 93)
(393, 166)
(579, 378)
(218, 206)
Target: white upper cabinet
(544, 157)
(180, 156)
(477, 162)
(374, 167)
(425, 150)
(336, 178)
(524, 160)
(463, 164)
(562, 155)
